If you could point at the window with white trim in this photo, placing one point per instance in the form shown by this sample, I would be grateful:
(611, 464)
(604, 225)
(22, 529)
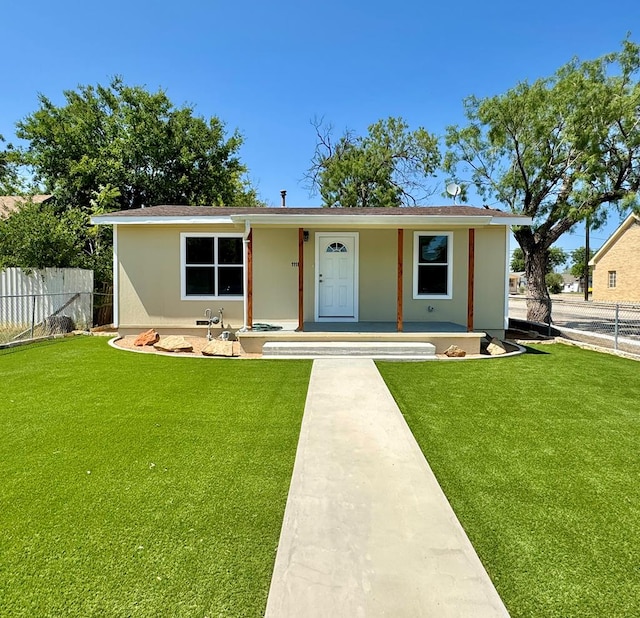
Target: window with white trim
(432, 264)
(211, 266)
(613, 276)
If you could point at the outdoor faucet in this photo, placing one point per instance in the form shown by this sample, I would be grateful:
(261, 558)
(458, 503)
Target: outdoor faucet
(210, 321)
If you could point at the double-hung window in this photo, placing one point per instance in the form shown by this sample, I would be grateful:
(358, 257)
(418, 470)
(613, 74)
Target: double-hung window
(613, 278)
(432, 264)
(212, 266)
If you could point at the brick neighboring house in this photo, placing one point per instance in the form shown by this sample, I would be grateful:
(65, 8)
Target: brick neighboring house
(12, 203)
(616, 266)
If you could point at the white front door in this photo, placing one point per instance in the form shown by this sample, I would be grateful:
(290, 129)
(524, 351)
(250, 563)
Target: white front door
(336, 277)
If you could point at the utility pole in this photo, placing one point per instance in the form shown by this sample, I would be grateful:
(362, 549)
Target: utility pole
(586, 260)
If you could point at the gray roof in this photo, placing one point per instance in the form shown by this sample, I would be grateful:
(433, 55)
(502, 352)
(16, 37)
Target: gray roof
(214, 211)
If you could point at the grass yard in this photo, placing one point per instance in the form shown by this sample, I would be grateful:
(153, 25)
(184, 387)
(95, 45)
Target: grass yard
(540, 457)
(141, 485)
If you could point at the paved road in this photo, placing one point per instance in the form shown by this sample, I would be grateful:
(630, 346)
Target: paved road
(591, 318)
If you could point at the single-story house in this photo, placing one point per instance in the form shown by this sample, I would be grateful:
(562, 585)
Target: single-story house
(517, 283)
(570, 283)
(616, 265)
(388, 272)
(10, 204)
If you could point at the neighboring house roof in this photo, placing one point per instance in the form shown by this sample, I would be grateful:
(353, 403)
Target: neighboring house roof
(362, 216)
(632, 219)
(12, 203)
(568, 278)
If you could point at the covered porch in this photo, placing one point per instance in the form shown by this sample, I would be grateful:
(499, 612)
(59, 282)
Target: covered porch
(441, 335)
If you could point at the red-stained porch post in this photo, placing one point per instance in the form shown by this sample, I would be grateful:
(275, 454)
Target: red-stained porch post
(471, 278)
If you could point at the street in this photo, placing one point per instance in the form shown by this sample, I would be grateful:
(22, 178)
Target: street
(614, 325)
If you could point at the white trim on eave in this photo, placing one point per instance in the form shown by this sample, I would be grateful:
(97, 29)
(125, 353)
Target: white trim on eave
(515, 220)
(108, 220)
(325, 219)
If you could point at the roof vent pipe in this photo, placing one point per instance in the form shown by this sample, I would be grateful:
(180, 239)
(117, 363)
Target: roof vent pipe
(283, 194)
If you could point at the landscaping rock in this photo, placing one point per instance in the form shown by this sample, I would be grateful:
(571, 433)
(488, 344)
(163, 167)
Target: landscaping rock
(453, 351)
(174, 343)
(496, 347)
(149, 337)
(217, 347)
(57, 324)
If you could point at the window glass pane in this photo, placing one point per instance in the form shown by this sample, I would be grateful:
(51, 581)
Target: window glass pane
(230, 281)
(432, 279)
(200, 281)
(229, 250)
(432, 249)
(199, 250)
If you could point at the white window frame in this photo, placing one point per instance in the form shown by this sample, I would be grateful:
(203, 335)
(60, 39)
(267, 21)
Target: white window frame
(183, 264)
(449, 265)
(612, 278)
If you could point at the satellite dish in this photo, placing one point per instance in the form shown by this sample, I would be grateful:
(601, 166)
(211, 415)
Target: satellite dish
(454, 190)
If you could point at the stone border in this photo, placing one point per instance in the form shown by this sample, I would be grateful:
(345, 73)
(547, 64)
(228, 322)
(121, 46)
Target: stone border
(16, 344)
(519, 349)
(596, 348)
(154, 351)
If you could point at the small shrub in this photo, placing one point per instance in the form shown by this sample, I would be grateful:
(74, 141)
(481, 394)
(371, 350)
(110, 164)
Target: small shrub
(554, 283)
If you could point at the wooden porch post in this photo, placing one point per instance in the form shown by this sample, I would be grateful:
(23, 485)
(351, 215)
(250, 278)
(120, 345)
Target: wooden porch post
(399, 282)
(300, 280)
(471, 277)
(250, 280)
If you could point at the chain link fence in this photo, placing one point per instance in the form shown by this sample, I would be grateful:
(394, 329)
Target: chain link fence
(31, 316)
(610, 325)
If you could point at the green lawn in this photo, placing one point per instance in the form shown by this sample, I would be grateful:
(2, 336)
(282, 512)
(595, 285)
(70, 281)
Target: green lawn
(140, 485)
(540, 457)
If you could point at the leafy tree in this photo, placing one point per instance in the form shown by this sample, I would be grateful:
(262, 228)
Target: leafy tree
(137, 142)
(387, 167)
(559, 150)
(556, 257)
(9, 178)
(577, 268)
(36, 236)
(554, 282)
(43, 236)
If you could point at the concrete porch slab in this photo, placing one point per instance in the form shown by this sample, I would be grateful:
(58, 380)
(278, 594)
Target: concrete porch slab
(253, 341)
(413, 350)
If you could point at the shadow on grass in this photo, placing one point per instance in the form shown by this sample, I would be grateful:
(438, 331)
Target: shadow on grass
(530, 350)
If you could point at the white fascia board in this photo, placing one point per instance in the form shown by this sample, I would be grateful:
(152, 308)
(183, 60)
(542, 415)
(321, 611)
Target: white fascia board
(360, 220)
(516, 220)
(107, 220)
(308, 220)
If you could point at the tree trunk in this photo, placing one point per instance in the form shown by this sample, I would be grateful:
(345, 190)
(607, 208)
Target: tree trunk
(538, 300)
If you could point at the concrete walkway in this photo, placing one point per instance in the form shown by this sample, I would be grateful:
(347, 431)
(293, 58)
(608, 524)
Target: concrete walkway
(367, 530)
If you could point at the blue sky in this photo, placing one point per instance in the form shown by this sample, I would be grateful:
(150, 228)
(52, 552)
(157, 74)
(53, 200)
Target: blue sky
(268, 68)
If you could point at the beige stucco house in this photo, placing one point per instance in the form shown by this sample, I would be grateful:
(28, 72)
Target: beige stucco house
(616, 266)
(416, 273)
